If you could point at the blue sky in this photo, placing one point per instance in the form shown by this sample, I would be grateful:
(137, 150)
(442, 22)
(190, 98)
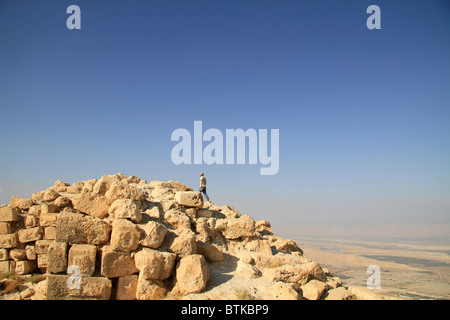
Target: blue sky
(364, 115)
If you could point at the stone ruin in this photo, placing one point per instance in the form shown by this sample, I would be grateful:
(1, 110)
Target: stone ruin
(122, 238)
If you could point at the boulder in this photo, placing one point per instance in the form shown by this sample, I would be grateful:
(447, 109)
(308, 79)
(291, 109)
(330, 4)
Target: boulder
(126, 287)
(209, 251)
(25, 267)
(340, 293)
(189, 198)
(18, 254)
(90, 288)
(21, 203)
(76, 228)
(57, 257)
(9, 214)
(30, 252)
(297, 274)
(8, 241)
(62, 202)
(125, 209)
(48, 219)
(121, 190)
(150, 289)
(283, 291)
(83, 256)
(50, 195)
(177, 219)
(192, 274)
(5, 228)
(313, 290)
(184, 242)
(4, 255)
(91, 203)
(116, 264)
(153, 234)
(104, 183)
(125, 235)
(31, 234)
(153, 264)
(234, 228)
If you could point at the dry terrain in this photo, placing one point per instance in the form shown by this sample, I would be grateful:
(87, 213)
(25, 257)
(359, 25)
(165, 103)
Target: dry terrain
(409, 270)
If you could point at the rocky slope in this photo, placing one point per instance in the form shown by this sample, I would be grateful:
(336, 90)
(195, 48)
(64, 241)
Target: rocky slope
(123, 238)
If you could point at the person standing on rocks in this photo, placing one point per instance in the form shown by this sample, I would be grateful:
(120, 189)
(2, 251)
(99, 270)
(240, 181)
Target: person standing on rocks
(203, 186)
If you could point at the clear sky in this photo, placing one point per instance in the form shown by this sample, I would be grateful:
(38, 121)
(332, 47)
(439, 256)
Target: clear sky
(364, 115)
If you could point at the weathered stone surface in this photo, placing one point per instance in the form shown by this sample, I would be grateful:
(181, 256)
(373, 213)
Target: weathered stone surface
(49, 208)
(96, 288)
(21, 203)
(155, 265)
(263, 227)
(259, 245)
(362, 293)
(189, 198)
(210, 252)
(31, 234)
(286, 245)
(184, 243)
(81, 229)
(50, 233)
(41, 246)
(8, 214)
(121, 190)
(104, 183)
(204, 230)
(116, 264)
(340, 293)
(205, 213)
(7, 266)
(234, 228)
(177, 219)
(91, 203)
(57, 257)
(25, 267)
(42, 261)
(83, 256)
(298, 274)
(125, 209)
(284, 291)
(17, 254)
(333, 282)
(62, 202)
(30, 252)
(192, 274)
(153, 234)
(125, 235)
(35, 210)
(126, 287)
(313, 290)
(246, 271)
(60, 186)
(153, 212)
(150, 289)
(5, 228)
(4, 254)
(30, 221)
(48, 219)
(50, 195)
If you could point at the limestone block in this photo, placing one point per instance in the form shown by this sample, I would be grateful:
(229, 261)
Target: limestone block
(83, 256)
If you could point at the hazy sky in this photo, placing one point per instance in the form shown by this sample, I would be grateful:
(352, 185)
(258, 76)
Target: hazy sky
(364, 115)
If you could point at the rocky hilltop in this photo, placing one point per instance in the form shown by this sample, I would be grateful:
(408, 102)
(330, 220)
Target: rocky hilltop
(123, 238)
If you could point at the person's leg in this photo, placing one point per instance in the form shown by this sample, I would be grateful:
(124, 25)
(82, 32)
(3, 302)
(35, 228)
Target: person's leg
(206, 195)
